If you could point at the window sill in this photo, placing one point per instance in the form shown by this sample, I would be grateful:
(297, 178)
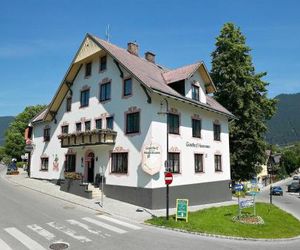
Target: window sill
(126, 96)
(44, 170)
(132, 134)
(104, 101)
(218, 171)
(81, 107)
(200, 172)
(87, 77)
(102, 71)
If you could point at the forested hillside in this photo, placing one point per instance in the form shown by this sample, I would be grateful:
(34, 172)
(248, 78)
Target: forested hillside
(4, 123)
(284, 127)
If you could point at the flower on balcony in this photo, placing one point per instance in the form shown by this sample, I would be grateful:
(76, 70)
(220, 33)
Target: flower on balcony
(73, 175)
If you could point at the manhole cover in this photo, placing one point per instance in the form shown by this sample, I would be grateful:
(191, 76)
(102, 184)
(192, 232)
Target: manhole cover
(59, 246)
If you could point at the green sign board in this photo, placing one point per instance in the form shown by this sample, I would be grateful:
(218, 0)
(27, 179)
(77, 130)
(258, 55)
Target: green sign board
(182, 209)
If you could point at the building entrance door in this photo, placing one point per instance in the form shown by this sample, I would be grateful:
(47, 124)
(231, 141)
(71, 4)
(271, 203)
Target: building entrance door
(90, 167)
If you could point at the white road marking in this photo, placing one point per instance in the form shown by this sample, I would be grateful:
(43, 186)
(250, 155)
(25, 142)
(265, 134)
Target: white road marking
(84, 226)
(69, 232)
(122, 223)
(104, 225)
(24, 239)
(4, 246)
(42, 232)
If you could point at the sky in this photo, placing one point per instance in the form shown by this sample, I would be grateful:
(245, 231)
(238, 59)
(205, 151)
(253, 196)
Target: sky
(39, 39)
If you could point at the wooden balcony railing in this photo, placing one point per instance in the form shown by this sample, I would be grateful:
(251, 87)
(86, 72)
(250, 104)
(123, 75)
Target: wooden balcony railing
(85, 138)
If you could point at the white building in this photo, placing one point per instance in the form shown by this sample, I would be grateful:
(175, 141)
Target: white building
(110, 114)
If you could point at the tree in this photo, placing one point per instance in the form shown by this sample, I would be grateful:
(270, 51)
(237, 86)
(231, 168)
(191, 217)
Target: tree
(244, 93)
(14, 136)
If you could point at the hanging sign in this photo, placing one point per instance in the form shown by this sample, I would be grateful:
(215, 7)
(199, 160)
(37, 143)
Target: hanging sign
(152, 162)
(182, 209)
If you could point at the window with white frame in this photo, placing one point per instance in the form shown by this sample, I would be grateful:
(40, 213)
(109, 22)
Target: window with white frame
(119, 163)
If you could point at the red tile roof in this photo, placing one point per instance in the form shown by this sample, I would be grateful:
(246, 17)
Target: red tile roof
(156, 77)
(180, 73)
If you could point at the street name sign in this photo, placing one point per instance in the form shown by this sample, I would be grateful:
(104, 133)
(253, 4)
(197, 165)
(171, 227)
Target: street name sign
(238, 187)
(182, 209)
(246, 203)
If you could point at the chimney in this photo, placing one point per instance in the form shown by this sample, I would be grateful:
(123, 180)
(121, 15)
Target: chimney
(149, 56)
(133, 48)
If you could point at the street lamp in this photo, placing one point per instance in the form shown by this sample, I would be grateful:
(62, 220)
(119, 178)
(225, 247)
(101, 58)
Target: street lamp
(167, 161)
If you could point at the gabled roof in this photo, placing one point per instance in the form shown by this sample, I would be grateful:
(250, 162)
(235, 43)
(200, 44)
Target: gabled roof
(152, 76)
(40, 116)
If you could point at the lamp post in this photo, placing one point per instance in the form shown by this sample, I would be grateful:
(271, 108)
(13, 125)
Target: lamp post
(167, 160)
(270, 169)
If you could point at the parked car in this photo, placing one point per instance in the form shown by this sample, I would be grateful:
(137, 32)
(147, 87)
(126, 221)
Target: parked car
(294, 187)
(296, 178)
(277, 191)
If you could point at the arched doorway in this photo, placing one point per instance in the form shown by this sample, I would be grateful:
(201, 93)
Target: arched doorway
(90, 166)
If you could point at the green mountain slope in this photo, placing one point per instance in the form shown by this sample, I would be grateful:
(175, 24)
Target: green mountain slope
(284, 127)
(4, 123)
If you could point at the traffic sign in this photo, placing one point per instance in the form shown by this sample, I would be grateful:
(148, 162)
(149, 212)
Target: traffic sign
(168, 178)
(238, 187)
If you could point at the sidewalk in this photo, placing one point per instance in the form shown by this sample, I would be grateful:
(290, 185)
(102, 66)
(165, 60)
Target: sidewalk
(110, 206)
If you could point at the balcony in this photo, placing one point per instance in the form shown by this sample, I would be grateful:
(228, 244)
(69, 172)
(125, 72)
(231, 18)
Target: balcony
(88, 138)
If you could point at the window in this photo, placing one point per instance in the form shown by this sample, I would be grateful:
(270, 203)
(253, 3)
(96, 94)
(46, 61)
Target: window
(69, 104)
(46, 134)
(196, 126)
(84, 98)
(198, 163)
(65, 129)
(133, 123)
(105, 92)
(88, 69)
(103, 60)
(119, 163)
(173, 123)
(218, 163)
(110, 122)
(99, 124)
(87, 126)
(44, 163)
(78, 126)
(195, 92)
(70, 164)
(127, 87)
(217, 132)
(174, 162)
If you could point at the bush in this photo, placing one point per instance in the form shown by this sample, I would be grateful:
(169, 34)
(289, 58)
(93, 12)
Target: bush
(20, 164)
(6, 160)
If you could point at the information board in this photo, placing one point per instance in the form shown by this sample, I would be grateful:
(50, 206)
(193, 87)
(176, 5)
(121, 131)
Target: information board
(182, 209)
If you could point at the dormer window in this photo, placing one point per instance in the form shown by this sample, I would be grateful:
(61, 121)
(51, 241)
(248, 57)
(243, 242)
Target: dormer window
(88, 69)
(195, 92)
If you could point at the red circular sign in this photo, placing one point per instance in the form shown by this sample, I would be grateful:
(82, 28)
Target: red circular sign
(168, 178)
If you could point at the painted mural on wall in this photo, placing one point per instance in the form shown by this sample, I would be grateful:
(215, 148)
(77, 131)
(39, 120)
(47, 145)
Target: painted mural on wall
(152, 159)
(55, 164)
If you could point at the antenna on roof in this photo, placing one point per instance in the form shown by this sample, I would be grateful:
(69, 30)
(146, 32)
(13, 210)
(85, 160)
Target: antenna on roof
(107, 33)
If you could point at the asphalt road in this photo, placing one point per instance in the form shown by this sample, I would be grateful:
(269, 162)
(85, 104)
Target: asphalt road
(30, 220)
(289, 202)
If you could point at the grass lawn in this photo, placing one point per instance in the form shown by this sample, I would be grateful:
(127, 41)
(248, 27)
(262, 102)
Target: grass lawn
(218, 220)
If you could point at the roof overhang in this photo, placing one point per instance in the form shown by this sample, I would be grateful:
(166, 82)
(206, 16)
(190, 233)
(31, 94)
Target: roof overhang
(192, 102)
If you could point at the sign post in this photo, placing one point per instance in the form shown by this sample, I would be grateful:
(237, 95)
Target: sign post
(238, 188)
(168, 181)
(182, 209)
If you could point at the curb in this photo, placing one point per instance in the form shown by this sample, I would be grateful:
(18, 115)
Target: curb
(224, 236)
(56, 197)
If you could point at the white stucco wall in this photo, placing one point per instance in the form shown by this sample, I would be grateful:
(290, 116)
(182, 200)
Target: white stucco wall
(153, 128)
